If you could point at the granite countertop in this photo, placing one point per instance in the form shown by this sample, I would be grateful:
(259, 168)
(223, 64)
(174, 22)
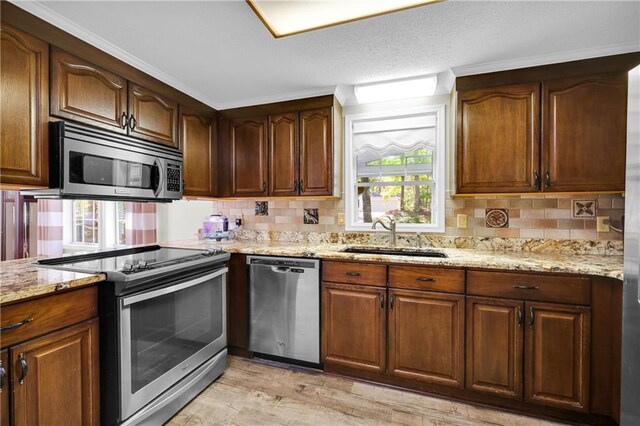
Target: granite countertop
(20, 279)
(598, 265)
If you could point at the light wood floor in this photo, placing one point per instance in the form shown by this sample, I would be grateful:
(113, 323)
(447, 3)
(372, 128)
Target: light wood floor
(253, 392)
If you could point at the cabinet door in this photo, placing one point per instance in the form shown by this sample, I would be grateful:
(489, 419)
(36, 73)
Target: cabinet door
(585, 133)
(4, 387)
(83, 92)
(426, 337)
(316, 152)
(353, 327)
(24, 105)
(283, 154)
(248, 140)
(60, 385)
(498, 139)
(152, 117)
(495, 346)
(197, 142)
(557, 355)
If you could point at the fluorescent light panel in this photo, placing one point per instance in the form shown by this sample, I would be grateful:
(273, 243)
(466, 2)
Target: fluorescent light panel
(288, 17)
(396, 89)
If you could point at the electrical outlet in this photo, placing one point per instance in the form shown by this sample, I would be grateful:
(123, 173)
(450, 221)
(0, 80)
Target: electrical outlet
(602, 224)
(462, 220)
(340, 218)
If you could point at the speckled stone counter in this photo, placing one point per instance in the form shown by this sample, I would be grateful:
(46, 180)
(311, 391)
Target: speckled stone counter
(598, 265)
(20, 279)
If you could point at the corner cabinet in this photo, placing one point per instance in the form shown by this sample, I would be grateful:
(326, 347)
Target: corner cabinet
(24, 93)
(198, 144)
(50, 360)
(84, 92)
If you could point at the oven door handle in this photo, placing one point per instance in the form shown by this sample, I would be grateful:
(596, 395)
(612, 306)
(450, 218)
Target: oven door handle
(126, 301)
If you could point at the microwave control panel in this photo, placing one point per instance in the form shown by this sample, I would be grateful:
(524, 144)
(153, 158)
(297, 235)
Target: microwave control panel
(174, 178)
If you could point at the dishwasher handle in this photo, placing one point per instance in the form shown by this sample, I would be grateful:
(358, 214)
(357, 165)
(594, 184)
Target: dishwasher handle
(280, 269)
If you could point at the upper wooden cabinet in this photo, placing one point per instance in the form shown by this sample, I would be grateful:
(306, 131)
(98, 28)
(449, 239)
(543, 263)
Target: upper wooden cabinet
(24, 136)
(585, 133)
(300, 147)
(498, 139)
(248, 149)
(561, 128)
(197, 142)
(84, 92)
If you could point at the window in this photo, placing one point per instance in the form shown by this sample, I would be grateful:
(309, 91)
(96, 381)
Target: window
(91, 224)
(395, 168)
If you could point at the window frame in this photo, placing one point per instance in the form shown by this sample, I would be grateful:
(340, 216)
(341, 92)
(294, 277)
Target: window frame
(439, 170)
(107, 227)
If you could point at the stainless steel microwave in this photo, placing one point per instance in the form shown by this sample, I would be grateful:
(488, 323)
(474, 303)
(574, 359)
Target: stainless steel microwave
(89, 163)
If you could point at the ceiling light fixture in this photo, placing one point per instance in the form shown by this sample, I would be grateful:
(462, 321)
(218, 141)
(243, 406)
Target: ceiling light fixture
(396, 89)
(287, 17)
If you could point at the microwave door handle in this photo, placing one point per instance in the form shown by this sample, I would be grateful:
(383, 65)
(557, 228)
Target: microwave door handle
(157, 184)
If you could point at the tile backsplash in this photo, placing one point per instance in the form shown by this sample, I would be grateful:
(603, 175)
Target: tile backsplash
(558, 217)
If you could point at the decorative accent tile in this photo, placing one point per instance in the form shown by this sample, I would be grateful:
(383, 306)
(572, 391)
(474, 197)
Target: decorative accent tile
(496, 218)
(583, 208)
(262, 208)
(310, 216)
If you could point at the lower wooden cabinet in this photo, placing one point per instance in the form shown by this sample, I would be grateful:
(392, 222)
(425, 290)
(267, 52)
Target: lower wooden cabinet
(55, 378)
(4, 387)
(426, 337)
(353, 326)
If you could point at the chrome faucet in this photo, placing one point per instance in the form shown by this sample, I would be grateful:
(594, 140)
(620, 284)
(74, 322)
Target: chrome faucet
(391, 227)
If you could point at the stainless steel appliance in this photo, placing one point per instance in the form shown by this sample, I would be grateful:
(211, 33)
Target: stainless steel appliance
(630, 403)
(89, 163)
(162, 328)
(284, 306)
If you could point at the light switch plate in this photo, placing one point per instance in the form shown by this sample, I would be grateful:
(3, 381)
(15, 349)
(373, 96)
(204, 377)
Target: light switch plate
(461, 220)
(340, 218)
(602, 224)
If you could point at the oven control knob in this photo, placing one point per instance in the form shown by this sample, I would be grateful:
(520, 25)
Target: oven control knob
(211, 252)
(127, 267)
(141, 265)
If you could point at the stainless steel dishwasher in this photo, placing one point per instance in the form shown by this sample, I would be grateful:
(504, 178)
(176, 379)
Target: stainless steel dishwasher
(284, 307)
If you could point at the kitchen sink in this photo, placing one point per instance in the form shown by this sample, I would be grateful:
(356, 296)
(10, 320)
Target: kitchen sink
(395, 251)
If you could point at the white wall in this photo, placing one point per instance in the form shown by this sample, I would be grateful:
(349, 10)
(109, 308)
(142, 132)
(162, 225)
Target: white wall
(181, 219)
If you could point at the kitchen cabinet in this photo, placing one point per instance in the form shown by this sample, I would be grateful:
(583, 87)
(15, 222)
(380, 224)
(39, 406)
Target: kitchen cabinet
(426, 336)
(87, 93)
(4, 387)
(585, 133)
(238, 305)
(354, 326)
(248, 148)
(316, 154)
(284, 167)
(50, 355)
(556, 128)
(24, 109)
(198, 144)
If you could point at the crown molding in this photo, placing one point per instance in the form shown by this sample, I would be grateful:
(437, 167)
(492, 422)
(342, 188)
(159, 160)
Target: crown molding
(553, 58)
(40, 10)
(281, 97)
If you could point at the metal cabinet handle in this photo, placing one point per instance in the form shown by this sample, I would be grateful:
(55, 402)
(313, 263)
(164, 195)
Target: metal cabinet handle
(391, 299)
(381, 300)
(123, 120)
(520, 319)
(532, 316)
(132, 122)
(301, 186)
(264, 186)
(16, 325)
(425, 279)
(295, 186)
(547, 179)
(536, 179)
(23, 368)
(353, 274)
(3, 374)
(525, 287)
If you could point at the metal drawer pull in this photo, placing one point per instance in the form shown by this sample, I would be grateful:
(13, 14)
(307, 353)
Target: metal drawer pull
(526, 287)
(520, 319)
(3, 374)
(425, 279)
(23, 368)
(353, 274)
(16, 325)
(532, 317)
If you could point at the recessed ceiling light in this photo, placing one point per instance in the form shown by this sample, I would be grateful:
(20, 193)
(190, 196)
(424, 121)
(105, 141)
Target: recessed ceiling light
(289, 17)
(396, 89)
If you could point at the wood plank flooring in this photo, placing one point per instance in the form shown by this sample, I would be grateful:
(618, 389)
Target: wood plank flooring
(255, 392)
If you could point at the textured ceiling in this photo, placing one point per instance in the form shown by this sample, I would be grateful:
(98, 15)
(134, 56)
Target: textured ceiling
(223, 55)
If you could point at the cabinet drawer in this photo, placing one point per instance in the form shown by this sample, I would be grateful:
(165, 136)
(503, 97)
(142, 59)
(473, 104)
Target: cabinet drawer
(354, 273)
(418, 278)
(48, 314)
(539, 287)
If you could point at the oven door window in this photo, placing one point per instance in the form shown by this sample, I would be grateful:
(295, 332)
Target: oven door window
(96, 170)
(167, 333)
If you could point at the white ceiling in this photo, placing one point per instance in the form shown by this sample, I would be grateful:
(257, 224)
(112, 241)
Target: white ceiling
(220, 53)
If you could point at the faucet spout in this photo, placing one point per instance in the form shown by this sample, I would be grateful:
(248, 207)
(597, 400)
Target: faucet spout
(391, 227)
